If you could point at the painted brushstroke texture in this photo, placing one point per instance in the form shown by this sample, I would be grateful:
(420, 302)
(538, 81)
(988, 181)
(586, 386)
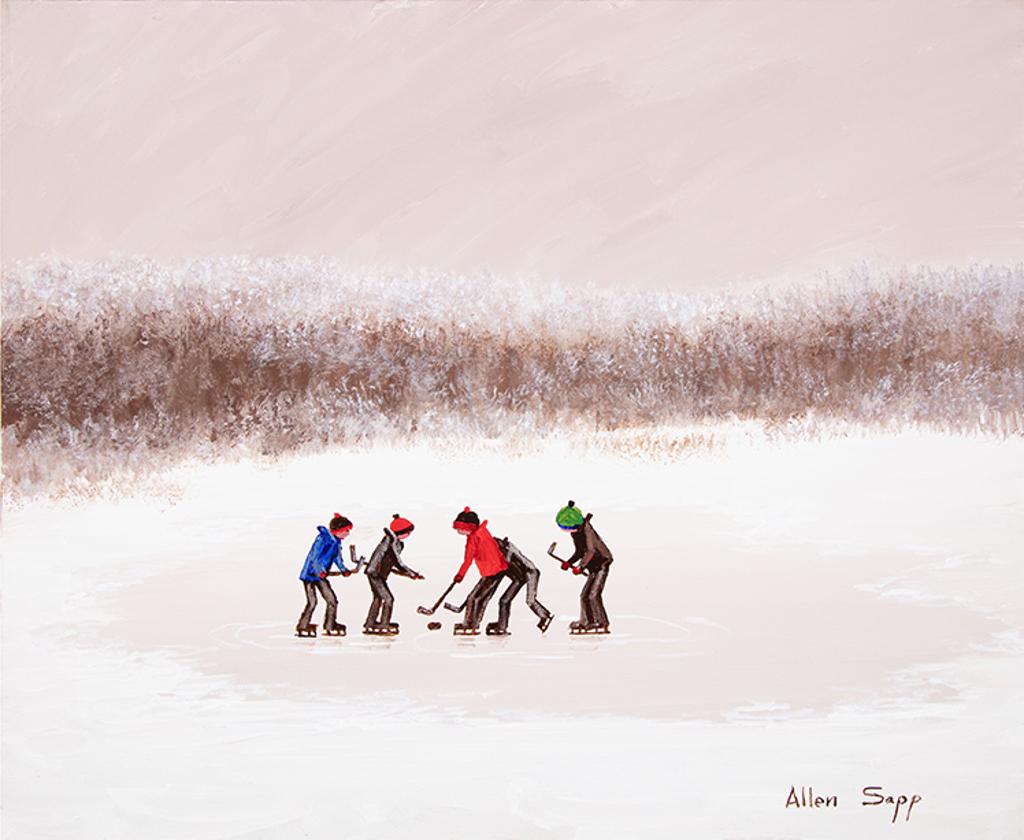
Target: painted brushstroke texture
(666, 145)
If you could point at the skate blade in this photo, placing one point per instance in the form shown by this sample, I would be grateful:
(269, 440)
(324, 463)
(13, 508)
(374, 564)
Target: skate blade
(465, 632)
(335, 633)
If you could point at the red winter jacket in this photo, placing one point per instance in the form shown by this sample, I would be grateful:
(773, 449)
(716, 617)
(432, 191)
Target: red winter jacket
(483, 548)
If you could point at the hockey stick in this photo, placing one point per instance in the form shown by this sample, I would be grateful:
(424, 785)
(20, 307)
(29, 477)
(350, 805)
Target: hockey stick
(551, 551)
(456, 608)
(357, 565)
(433, 609)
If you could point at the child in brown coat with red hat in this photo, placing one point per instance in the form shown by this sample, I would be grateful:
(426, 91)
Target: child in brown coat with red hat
(482, 549)
(387, 558)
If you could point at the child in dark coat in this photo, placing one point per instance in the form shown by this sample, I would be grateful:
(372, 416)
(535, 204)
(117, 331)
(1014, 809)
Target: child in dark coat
(521, 572)
(593, 557)
(387, 558)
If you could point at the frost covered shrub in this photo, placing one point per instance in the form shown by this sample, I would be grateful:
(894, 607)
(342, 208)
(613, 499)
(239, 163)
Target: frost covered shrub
(111, 363)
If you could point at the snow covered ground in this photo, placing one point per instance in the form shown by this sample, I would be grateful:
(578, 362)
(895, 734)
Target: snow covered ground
(832, 614)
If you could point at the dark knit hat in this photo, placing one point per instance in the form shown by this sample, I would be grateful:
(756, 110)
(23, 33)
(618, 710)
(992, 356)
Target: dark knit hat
(401, 526)
(466, 517)
(338, 522)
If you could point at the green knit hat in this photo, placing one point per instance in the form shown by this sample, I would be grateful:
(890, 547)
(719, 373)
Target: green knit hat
(569, 516)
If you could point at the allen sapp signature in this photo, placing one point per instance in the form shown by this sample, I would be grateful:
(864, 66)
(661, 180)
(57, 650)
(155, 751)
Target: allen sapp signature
(872, 795)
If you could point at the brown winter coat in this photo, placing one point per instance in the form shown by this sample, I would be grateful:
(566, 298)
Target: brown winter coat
(590, 548)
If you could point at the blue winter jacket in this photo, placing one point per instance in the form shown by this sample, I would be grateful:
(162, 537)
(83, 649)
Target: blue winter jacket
(326, 550)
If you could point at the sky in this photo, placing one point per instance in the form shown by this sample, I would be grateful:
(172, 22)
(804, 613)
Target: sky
(650, 145)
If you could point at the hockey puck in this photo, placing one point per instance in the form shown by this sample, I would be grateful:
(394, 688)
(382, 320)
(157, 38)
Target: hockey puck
(434, 625)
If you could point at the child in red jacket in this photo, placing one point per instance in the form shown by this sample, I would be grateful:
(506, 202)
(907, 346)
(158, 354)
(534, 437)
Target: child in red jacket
(482, 549)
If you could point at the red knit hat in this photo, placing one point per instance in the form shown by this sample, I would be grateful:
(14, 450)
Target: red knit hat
(399, 525)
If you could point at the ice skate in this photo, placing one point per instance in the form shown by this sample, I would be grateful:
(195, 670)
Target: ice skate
(307, 632)
(544, 623)
(380, 630)
(465, 630)
(495, 629)
(336, 630)
(578, 628)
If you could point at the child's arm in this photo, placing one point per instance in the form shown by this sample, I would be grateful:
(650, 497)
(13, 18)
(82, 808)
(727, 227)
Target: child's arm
(339, 561)
(589, 544)
(401, 569)
(467, 560)
(577, 555)
(319, 568)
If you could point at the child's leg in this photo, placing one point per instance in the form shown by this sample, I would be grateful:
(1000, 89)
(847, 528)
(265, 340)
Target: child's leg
(372, 615)
(505, 602)
(331, 616)
(470, 618)
(387, 602)
(307, 613)
(532, 580)
(586, 616)
(595, 599)
(480, 597)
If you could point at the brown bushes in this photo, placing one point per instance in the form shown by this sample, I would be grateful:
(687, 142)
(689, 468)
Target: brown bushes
(137, 358)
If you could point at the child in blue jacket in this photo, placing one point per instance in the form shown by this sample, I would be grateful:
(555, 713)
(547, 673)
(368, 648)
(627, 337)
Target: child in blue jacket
(325, 552)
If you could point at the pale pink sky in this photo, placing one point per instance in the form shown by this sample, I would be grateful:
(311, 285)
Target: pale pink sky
(674, 144)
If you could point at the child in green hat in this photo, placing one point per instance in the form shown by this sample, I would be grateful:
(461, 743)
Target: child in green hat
(591, 556)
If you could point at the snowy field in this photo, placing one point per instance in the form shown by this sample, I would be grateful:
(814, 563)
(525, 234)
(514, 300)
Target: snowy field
(832, 614)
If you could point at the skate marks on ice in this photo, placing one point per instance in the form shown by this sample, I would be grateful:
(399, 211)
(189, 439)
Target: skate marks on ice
(280, 636)
(639, 635)
(628, 635)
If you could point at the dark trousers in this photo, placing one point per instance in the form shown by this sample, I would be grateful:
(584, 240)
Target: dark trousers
(479, 597)
(529, 579)
(591, 603)
(383, 601)
(331, 617)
